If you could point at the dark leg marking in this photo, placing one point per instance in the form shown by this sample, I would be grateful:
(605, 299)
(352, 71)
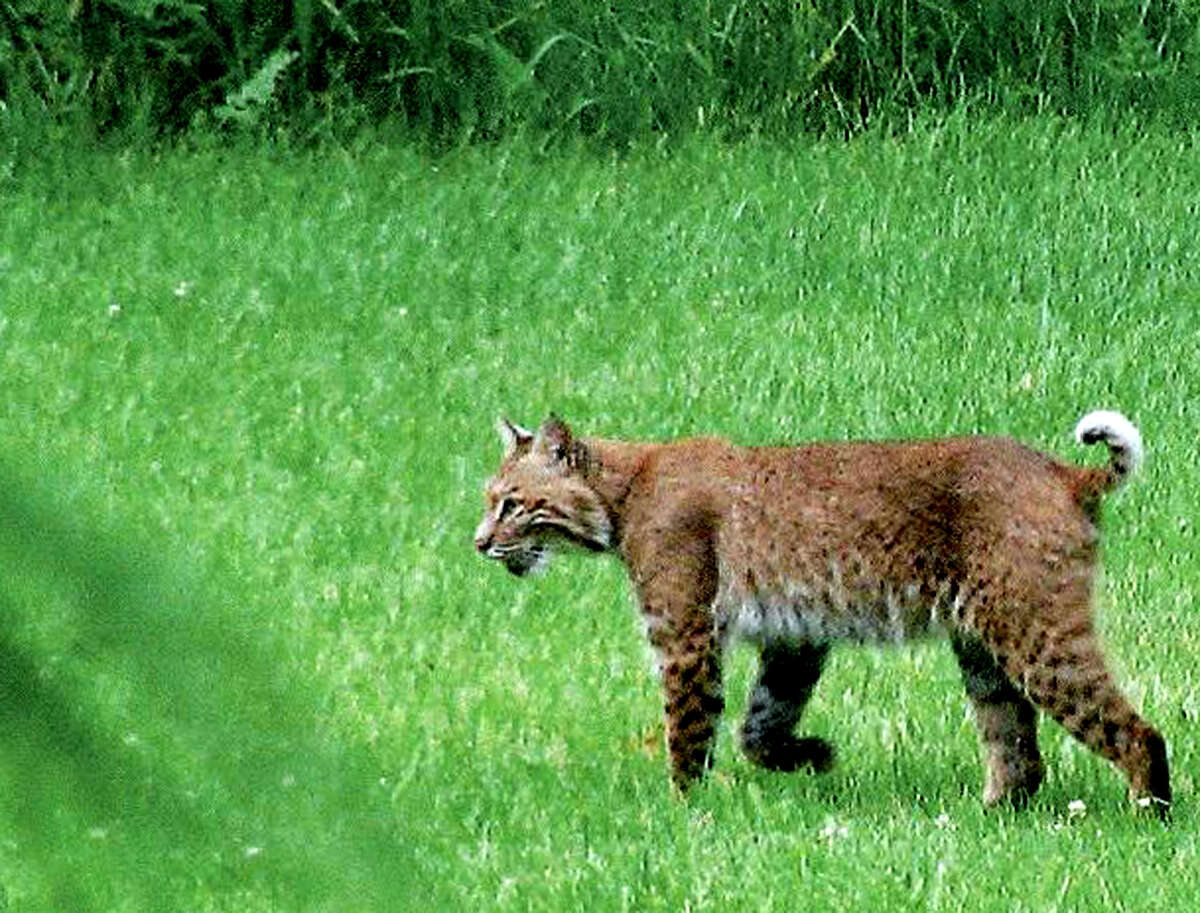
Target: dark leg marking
(786, 679)
(1007, 724)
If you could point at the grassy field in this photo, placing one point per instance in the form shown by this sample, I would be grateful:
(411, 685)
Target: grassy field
(251, 661)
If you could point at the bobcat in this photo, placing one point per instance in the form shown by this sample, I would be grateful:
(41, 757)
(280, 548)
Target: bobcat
(978, 538)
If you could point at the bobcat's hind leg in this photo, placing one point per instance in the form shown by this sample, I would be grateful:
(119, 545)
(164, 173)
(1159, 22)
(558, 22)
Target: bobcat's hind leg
(787, 675)
(1064, 672)
(1007, 724)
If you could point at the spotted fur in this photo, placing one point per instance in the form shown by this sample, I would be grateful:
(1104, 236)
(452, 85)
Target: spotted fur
(978, 539)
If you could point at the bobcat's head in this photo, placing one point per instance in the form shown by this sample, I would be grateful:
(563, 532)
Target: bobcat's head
(540, 498)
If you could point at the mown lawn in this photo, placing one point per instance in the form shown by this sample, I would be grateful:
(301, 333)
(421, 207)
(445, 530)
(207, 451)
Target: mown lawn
(249, 396)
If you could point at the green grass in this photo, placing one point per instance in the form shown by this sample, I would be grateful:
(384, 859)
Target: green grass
(248, 407)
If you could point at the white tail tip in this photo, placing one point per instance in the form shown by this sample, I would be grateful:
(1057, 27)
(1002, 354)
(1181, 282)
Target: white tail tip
(1123, 440)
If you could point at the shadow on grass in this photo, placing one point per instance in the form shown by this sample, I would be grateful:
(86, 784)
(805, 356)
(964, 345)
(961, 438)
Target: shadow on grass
(160, 749)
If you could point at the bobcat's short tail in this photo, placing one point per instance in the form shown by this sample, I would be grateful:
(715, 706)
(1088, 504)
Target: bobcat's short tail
(1124, 446)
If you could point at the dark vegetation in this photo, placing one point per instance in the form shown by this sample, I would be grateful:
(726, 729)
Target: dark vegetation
(449, 71)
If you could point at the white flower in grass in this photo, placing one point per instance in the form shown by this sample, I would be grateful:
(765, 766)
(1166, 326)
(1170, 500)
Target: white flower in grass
(942, 821)
(183, 288)
(832, 830)
(507, 884)
(1076, 808)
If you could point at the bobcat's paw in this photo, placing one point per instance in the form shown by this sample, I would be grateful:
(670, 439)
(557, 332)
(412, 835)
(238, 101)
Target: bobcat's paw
(791, 753)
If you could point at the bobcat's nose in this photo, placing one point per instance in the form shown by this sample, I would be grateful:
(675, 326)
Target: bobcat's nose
(482, 543)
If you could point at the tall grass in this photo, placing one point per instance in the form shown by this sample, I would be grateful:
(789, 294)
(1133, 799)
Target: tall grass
(482, 69)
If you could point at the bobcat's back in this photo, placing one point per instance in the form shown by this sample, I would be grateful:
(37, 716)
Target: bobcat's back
(887, 541)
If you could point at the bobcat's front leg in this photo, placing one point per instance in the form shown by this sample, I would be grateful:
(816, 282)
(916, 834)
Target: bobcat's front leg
(693, 701)
(676, 579)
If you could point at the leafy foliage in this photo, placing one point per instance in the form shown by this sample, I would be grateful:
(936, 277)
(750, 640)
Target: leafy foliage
(477, 69)
(247, 104)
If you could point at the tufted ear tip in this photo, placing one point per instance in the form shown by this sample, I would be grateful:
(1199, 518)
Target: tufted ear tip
(514, 436)
(555, 437)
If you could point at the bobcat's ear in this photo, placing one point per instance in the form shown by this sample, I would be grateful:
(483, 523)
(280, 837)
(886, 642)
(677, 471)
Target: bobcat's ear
(514, 436)
(554, 438)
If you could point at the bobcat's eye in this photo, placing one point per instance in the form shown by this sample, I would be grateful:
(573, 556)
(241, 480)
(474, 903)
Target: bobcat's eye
(505, 507)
